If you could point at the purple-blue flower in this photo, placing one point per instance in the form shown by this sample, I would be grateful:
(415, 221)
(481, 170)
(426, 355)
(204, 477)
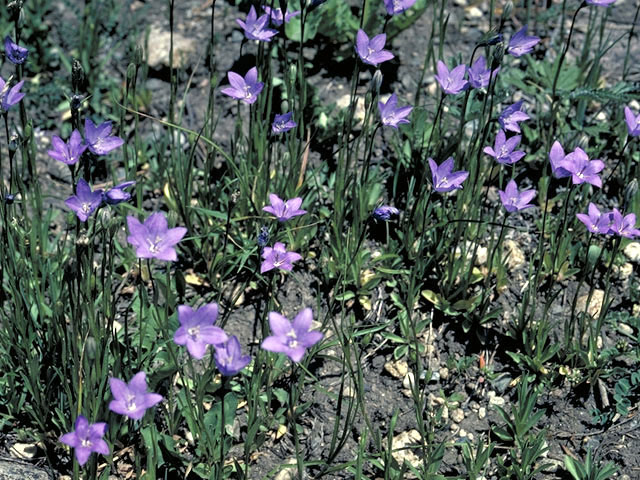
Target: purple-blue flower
(452, 82)
(117, 194)
(444, 178)
(69, 152)
(245, 89)
(633, 122)
(398, 6)
(99, 138)
(479, 74)
(521, 44)
(86, 439)
(556, 157)
(14, 52)
(284, 210)
(154, 238)
(85, 201)
(278, 257)
(371, 51)
(392, 115)
(276, 15)
(255, 28)
(503, 149)
(582, 169)
(197, 329)
(513, 200)
(10, 96)
(229, 358)
(595, 221)
(283, 123)
(132, 399)
(511, 116)
(623, 225)
(384, 212)
(292, 339)
(600, 3)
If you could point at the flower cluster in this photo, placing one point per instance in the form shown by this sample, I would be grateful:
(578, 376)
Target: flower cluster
(609, 223)
(86, 201)
(576, 164)
(98, 140)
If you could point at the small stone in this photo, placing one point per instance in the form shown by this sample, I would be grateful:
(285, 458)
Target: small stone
(348, 391)
(184, 49)
(462, 433)
(455, 428)
(552, 465)
(632, 251)
(457, 415)
(24, 451)
(495, 399)
(601, 116)
(445, 413)
(514, 255)
(481, 256)
(625, 329)
(482, 413)
(444, 373)
(397, 369)
(399, 445)
(625, 477)
(474, 406)
(408, 380)
(595, 304)
(288, 473)
(460, 3)
(438, 400)
(344, 102)
(470, 436)
(474, 12)
(624, 271)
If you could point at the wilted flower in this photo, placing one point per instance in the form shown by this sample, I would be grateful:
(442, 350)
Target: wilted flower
(521, 44)
(392, 115)
(255, 28)
(263, 237)
(398, 6)
(556, 157)
(69, 152)
(197, 329)
(444, 178)
(283, 123)
(371, 51)
(229, 358)
(278, 257)
(85, 201)
(595, 221)
(582, 169)
(624, 225)
(511, 116)
(479, 74)
(513, 200)
(153, 238)
(633, 122)
(292, 339)
(452, 82)
(600, 3)
(116, 195)
(503, 149)
(99, 138)
(132, 399)
(282, 210)
(384, 212)
(86, 438)
(276, 15)
(14, 52)
(10, 96)
(245, 89)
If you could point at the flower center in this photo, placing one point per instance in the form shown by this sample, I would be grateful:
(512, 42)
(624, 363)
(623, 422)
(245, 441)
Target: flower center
(154, 246)
(247, 91)
(86, 207)
(130, 403)
(194, 332)
(86, 443)
(292, 339)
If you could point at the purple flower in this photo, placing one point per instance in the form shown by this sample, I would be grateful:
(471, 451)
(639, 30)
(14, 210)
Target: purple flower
(255, 28)
(502, 150)
(624, 225)
(85, 201)
(276, 15)
(14, 52)
(479, 74)
(384, 212)
(398, 6)
(392, 115)
(595, 221)
(600, 3)
(69, 152)
(452, 82)
(284, 211)
(86, 438)
(633, 122)
(245, 89)
(197, 329)
(292, 339)
(283, 123)
(371, 51)
(117, 195)
(513, 200)
(229, 358)
(132, 399)
(278, 257)
(444, 178)
(153, 238)
(556, 157)
(520, 44)
(99, 138)
(511, 116)
(263, 237)
(10, 96)
(582, 169)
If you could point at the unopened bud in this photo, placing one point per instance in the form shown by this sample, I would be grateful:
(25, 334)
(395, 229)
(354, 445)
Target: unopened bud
(376, 81)
(77, 76)
(630, 191)
(138, 55)
(506, 13)
(14, 8)
(496, 58)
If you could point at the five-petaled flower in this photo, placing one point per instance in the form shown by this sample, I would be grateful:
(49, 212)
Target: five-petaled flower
(69, 152)
(245, 89)
(229, 358)
(132, 399)
(276, 16)
(371, 51)
(10, 96)
(623, 225)
(197, 329)
(117, 194)
(479, 74)
(582, 169)
(444, 178)
(255, 28)
(556, 157)
(283, 123)
(511, 116)
(503, 149)
(99, 138)
(595, 221)
(452, 82)
(384, 212)
(153, 238)
(282, 210)
(398, 6)
(392, 115)
(521, 44)
(513, 200)
(14, 52)
(86, 438)
(85, 201)
(292, 339)
(278, 257)
(633, 122)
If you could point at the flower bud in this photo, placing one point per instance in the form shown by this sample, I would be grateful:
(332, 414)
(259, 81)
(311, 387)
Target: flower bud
(630, 191)
(376, 81)
(77, 75)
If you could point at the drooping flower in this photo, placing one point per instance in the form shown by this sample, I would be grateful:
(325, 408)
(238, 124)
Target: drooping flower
(86, 438)
(503, 149)
(452, 82)
(556, 157)
(276, 15)
(444, 178)
(117, 194)
(85, 201)
(511, 116)
(479, 74)
(392, 115)
(197, 329)
(384, 212)
(282, 210)
(289, 338)
(372, 51)
(595, 221)
(582, 169)
(600, 3)
(278, 257)
(513, 200)
(395, 7)
(69, 152)
(521, 44)
(245, 89)
(624, 225)
(132, 399)
(10, 96)
(633, 122)
(283, 123)
(255, 28)
(229, 358)
(154, 238)
(99, 138)
(14, 52)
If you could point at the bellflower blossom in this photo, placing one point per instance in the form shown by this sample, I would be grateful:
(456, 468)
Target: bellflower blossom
(14, 52)
(521, 44)
(132, 399)
(513, 200)
(395, 7)
(556, 157)
(276, 15)
(452, 82)
(384, 212)
(479, 74)
(86, 439)
(371, 51)
(278, 257)
(245, 89)
(99, 138)
(197, 329)
(10, 96)
(595, 221)
(229, 358)
(69, 152)
(582, 169)
(283, 123)
(289, 338)
(444, 178)
(392, 115)
(116, 195)
(153, 238)
(624, 225)
(282, 210)
(255, 28)
(600, 3)
(85, 201)
(511, 116)
(503, 149)
(633, 122)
